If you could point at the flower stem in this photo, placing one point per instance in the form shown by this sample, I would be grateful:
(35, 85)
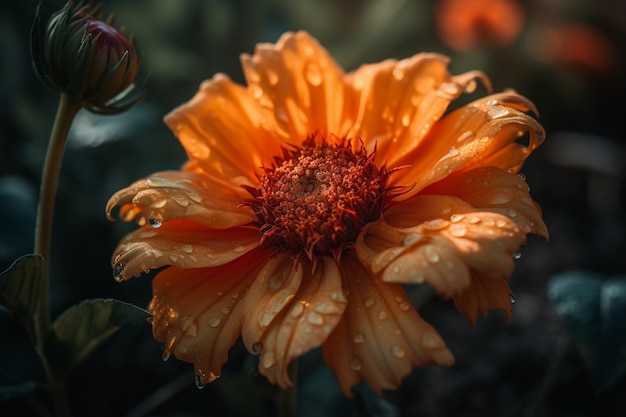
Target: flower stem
(66, 111)
(287, 401)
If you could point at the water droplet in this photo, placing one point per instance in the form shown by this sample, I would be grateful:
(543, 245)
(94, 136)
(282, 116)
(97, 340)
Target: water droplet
(397, 351)
(155, 223)
(215, 322)
(404, 306)
(182, 201)
(256, 348)
(512, 213)
(187, 248)
(517, 255)
(455, 218)
(160, 203)
(199, 383)
(356, 364)
(474, 220)
(369, 302)
(118, 272)
(431, 255)
(458, 230)
(268, 360)
(165, 356)
(265, 319)
(315, 319)
(297, 310)
(313, 73)
(272, 77)
(412, 238)
(500, 199)
(406, 119)
(398, 73)
(513, 300)
(359, 338)
(225, 311)
(382, 315)
(326, 308)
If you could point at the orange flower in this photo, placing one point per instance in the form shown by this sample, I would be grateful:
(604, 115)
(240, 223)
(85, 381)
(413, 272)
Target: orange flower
(311, 196)
(463, 24)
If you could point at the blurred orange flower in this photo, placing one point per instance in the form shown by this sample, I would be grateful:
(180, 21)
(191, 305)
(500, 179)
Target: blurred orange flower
(463, 24)
(311, 196)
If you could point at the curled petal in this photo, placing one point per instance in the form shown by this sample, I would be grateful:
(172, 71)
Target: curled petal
(198, 313)
(443, 240)
(300, 87)
(166, 196)
(217, 123)
(401, 101)
(306, 323)
(183, 244)
(380, 337)
(483, 133)
(494, 190)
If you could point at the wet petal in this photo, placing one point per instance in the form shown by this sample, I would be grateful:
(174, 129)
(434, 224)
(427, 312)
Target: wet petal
(300, 87)
(166, 196)
(221, 128)
(402, 100)
(305, 324)
(483, 133)
(198, 314)
(181, 243)
(486, 293)
(380, 337)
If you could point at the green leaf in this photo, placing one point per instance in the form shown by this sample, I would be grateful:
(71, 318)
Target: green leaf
(21, 289)
(594, 310)
(81, 328)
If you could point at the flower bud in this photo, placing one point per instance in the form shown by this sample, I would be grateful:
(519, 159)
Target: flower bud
(76, 53)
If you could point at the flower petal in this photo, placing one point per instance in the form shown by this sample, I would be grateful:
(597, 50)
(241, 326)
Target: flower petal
(401, 100)
(306, 323)
(301, 87)
(484, 294)
(445, 240)
(198, 314)
(380, 337)
(483, 133)
(222, 129)
(182, 243)
(166, 196)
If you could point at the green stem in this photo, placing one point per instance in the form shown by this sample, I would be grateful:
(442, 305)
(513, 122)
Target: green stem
(66, 111)
(287, 402)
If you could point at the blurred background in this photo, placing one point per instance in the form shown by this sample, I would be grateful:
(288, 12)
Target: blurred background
(567, 56)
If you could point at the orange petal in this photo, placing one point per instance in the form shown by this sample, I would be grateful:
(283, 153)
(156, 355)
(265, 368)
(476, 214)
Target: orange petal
(444, 240)
(401, 100)
(182, 243)
(484, 294)
(380, 337)
(305, 324)
(483, 133)
(166, 196)
(198, 314)
(222, 129)
(494, 190)
(300, 87)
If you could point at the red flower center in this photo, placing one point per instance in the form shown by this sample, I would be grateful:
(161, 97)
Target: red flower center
(316, 198)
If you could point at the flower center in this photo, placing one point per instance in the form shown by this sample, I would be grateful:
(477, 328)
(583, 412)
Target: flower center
(315, 200)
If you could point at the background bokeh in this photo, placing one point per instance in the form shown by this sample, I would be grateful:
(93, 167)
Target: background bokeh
(566, 56)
